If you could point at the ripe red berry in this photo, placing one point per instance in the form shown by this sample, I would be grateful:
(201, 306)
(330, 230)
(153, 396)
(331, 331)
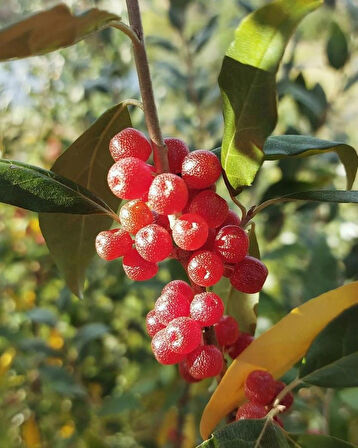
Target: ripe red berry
(137, 268)
(227, 331)
(111, 244)
(153, 243)
(190, 231)
(211, 207)
(288, 399)
(210, 241)
(184, 335)
(260, 387)
(130, 143)
(251, 410)
(249, 275)
(205, 268)
(177, 150)
(200, 169)
(153, 324)
(243, 341)
(161, 220)
(184, 372)
(129, 178)
(232, 243)
(161, 350)
(231, 220)
(170, 306)
(179, 287)
(204, 362)
(206, 308)
(168, 194)
(134, 215)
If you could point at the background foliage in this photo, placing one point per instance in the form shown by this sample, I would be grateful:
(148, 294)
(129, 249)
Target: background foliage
(80, 373)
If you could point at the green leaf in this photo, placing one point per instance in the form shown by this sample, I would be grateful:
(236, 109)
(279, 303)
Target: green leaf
(70, 238)
(116, 405)
(318, 441)
(245, 433)
(332, 359)
(61, 381)
(89, 332)
(40, 190)
(284, 146)
(349, 396)
(50, 30)
(248, 87)
(42, 316)
(341, 196)
(337, 47)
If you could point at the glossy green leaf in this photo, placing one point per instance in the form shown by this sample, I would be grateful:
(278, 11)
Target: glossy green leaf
(284, 146)
(50, 30)
(335, 196)
(332, 359)
(337, 47)
(248, 87)
(317, 441)
(70, 238)
(40, 190)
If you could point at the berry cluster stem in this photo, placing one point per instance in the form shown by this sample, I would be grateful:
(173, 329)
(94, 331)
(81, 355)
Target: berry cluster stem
(146, 89)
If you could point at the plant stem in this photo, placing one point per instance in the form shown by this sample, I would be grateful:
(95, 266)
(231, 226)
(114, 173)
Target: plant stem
(145, 84)
(233, 198)
(285, 391)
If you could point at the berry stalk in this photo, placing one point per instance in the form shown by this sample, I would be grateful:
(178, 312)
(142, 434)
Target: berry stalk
(160, 152)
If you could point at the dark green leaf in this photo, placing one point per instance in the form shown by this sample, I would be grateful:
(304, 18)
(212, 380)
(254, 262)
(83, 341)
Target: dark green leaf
(41, 190)
(337, 47)
(254, 249)
(247, 82)
(87, 161)
(50, 30)
(200, 39)
(42, 316)
(61, 381)
(332, 359)
(117, 405)
(318, 441)
(89, 332)
(283, 146)
(342, 196)
(177, 11)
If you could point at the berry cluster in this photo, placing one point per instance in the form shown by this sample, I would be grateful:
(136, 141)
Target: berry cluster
(261, 391)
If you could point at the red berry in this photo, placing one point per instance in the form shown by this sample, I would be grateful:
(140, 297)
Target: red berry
(179, 287)
(204, 362)
(200, 169)
(130, 143)
(239, 345)
(205, 268)
(161, 350)
(177, 150)
(210, 241)
(206, 308)
(183, 334)
(168, 194)
(260, 387)
(111, 244)
(153, 324)
(184, 372)
(228, 270)
(153, 243)
(288, 399)
(162, 220)
(190, 231)
(137, 268)
(211, 207)
(231, 220)
(251, 410)
(134, 215)
(227, 331)
(171, 306)
(129, 178)
(249, 275)
(232, 243)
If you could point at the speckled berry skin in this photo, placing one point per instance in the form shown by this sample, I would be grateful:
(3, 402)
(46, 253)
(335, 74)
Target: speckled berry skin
(153, 243)
(288, 399)
(134, 215)
(184, 372)
(168, 194)
(184, 335)
(112, 244)
(200, 169)
(179, 287)
(251, 410)
(170, 306)
(138, 269)
(232, 243)
(190, 231)
(130, 143)
(204, 362)
(210, 206)
(260, 387)
(227, 331)
(161, 350)
(153, 325)
(249, 275)
(129, 178)
(177, 150)
(205, 268)
(231, 220)
(206, 308)
(243, 341)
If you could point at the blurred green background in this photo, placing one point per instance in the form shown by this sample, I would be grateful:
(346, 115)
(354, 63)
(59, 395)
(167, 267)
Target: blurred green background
(80, 373)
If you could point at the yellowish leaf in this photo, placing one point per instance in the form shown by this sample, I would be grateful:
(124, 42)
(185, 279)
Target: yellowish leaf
(6, 360)
(31, 433)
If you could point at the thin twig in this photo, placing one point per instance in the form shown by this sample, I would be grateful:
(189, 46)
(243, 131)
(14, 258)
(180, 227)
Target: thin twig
(233, 198)
(133, 102)
(286, 390)
(128, 31)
